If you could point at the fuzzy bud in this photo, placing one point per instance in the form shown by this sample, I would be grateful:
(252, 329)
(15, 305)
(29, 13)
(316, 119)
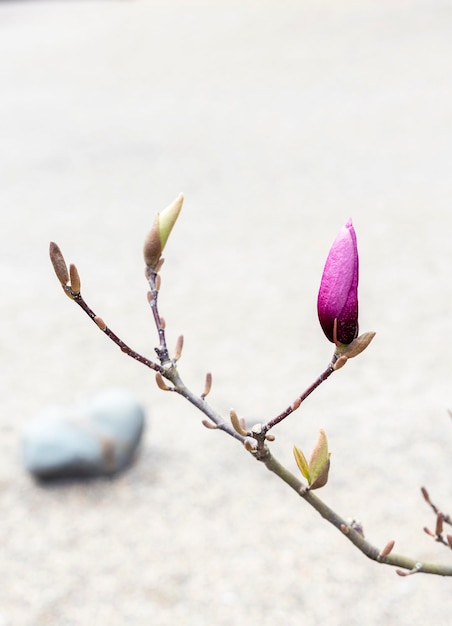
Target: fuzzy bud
(159, 233)
(59, 264)
(75, 278)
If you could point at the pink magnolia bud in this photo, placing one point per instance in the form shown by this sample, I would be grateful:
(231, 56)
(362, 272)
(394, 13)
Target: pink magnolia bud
(337, 303)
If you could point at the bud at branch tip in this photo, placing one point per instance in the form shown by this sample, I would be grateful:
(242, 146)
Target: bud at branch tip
(159, 233)
(59, 264)
(337, 302)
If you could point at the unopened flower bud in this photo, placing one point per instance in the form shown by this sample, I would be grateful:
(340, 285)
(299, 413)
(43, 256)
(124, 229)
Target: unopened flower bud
(160, 231)
(337, 302)
(59, 264)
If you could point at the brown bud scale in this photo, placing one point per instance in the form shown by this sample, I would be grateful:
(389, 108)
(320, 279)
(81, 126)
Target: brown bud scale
(59, 264)
(439, 524)
(342, 360)
(75, 278)
(388, 548)
(160, 382)
(207, 385)
(236, 423)
(179, 346)
(359, 344)
(209, 424)
(152, 246)
(100, 322)
(425, 495)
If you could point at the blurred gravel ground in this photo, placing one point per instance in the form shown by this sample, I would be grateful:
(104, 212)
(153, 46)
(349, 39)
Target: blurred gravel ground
(278, 121)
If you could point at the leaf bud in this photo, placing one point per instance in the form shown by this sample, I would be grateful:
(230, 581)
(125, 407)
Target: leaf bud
(387, 549)
(426, 495)
(319, 463)
(75, 278)
(100, 322)
(207, 385)
(302, 463)
(160, 382)
(208, 424)
(342, 360)
(250, 444)
(439, 524)
(236, 423)
(179, 346)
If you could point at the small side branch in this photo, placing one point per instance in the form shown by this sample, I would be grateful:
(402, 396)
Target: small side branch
(296, 403)
(77, 297)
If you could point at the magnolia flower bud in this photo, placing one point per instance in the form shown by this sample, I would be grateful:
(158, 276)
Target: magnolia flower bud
(158, 236)
(337, 302)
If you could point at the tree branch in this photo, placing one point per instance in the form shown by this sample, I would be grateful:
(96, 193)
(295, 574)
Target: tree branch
(254, 440)
(357, 539)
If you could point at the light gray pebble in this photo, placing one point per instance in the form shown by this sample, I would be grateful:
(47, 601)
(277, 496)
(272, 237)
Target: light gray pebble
(97, 437)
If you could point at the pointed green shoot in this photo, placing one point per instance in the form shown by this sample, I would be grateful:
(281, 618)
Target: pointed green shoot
(302, 463)
(316, 471)
(319, 462)
(167, 219)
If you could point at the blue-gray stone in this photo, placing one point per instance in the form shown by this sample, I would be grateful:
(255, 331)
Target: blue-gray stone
(98, 437)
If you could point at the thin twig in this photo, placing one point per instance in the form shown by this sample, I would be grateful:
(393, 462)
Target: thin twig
(296, 403)
(445, 516)
(77, 297)
(154, 284)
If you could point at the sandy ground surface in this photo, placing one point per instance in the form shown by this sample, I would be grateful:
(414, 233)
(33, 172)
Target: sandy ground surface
(279, 121)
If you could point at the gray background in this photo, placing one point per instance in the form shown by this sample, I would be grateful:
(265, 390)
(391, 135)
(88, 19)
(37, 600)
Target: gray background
(279, 121)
